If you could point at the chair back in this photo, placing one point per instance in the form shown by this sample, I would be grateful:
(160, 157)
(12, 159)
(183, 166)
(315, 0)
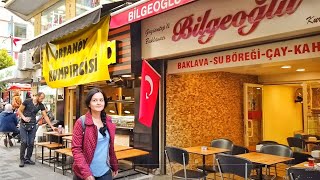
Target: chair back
(222, 143)
(267, 142)
(296, 143)
(278, 150)
(300, 157)
(234, 165)
(303, 173)
(177, 155)
(239, 150)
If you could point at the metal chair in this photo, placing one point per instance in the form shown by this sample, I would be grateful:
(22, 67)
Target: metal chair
(303, 173)
(279, 150)
(300, 157)
(267, 142)
(239, 150)
(217, 143)
(296, 143)
(181, 156)
(234, 165)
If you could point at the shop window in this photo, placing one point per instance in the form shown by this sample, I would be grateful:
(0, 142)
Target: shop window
(20, 30)
(53, 16)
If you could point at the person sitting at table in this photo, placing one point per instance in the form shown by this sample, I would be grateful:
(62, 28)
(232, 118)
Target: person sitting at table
(93, 141)
(8, 123)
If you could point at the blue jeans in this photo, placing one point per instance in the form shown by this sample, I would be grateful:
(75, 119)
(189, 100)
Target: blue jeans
(27, 142)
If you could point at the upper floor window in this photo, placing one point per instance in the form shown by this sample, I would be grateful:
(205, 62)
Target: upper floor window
(20, 30)
(85, 5)
(53, 16)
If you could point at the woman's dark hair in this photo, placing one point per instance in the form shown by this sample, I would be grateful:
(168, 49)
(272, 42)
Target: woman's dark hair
(103, 114)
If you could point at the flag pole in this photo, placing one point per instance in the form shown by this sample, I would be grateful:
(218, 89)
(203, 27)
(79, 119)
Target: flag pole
(11, 35)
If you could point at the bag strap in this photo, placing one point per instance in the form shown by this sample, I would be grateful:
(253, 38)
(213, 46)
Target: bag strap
(83, 119)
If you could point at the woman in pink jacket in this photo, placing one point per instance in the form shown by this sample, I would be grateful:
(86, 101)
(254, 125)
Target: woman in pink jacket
(93, 141)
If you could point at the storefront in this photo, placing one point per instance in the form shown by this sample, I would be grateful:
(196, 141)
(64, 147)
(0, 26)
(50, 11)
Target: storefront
(117, 74)
(221, 55)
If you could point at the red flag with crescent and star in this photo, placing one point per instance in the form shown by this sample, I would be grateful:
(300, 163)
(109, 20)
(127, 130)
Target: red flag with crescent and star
(148, 93)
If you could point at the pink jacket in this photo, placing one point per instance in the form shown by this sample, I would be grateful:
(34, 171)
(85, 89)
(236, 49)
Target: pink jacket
(83, 155)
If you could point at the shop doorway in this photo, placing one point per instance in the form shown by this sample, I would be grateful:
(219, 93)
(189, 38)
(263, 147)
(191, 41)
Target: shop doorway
(70, 108)
(253, 120)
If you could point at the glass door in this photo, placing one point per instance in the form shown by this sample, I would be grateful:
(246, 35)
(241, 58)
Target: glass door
(252, 114)
(311, 105)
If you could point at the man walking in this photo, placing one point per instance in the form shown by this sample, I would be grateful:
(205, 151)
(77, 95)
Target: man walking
(27, 111)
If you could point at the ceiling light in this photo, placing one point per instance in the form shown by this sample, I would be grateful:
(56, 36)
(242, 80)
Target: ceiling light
(258, 88)
(285, 67)
(300, 70)
(111, 111)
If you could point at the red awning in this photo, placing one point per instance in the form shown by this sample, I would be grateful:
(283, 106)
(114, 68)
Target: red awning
(142, 10)
(24, 87)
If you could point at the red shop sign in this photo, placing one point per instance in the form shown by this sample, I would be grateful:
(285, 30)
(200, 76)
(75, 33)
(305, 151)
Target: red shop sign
(145, 10)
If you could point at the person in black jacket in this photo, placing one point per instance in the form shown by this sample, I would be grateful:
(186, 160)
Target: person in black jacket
(8, 123)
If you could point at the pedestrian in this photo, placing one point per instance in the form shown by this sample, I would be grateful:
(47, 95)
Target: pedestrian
(93, 141)
(16, 100)
(8, 123)
(27, 112)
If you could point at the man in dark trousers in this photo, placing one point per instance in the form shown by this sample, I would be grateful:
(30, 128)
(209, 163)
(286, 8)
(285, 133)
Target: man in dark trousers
(27, 111)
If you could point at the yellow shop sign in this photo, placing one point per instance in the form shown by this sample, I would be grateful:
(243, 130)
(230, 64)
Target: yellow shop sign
(81, 59)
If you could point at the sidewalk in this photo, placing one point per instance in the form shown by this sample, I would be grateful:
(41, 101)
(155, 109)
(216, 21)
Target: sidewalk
(10, 170)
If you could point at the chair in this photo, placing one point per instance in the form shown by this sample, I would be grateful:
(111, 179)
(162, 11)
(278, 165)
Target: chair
(239, 150)
(181, 156)
(233, 165)
(302, 173)
(300, 157)
(222, 143)
(279, 150)
(267, 142)
(217, 143)
(296, 143)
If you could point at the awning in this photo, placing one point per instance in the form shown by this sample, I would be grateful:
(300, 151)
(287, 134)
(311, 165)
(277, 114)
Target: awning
(21, 87)
(72, 25)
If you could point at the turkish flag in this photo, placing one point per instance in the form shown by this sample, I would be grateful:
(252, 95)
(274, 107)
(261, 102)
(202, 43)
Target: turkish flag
(148, 93)
(15, 40)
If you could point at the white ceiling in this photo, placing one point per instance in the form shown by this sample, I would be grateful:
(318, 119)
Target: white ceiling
(310, 65)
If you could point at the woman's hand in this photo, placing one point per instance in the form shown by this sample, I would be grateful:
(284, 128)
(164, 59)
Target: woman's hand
(90, 178)
(114, 173)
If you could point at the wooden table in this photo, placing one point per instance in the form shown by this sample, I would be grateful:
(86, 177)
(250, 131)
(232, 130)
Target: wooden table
(54, 133)
(67, 138)
(130, 153)
(210, 151)
(266, 159)
(118, 148)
